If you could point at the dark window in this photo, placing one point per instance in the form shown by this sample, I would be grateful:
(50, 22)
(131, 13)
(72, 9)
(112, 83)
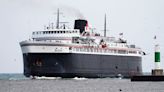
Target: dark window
(122, 51)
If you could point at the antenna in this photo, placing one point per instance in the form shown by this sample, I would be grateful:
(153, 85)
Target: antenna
(105, 26)
(63, 25)
(57, 21)
(105, 30)
(52, 25)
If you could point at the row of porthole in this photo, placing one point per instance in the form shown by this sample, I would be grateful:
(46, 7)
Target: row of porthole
(54, 32)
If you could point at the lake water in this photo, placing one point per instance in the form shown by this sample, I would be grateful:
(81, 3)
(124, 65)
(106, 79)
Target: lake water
(19, 83)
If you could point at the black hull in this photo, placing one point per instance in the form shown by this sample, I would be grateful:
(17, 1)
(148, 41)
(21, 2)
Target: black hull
(80, 65)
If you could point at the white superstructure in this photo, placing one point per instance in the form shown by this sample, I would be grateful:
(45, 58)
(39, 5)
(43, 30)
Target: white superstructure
(70, 41)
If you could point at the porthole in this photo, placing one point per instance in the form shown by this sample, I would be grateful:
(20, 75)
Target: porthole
(116, 67)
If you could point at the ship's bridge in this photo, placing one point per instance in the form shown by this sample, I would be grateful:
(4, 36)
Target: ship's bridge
(55, 34)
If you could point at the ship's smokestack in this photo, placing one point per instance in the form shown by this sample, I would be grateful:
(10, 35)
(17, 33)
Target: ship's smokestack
(80, 24)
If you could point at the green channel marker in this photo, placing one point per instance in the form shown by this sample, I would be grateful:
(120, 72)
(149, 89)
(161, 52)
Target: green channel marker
(157, 56)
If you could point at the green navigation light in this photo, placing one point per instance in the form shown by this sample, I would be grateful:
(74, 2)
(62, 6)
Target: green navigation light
(157, 56)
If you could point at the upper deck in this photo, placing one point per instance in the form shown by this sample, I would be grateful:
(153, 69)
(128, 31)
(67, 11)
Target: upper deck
(55, 33)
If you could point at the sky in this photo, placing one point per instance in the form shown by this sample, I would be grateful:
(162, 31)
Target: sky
(138, 20)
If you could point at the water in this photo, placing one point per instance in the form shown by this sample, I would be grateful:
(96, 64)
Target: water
(19, 83)
(12, 76)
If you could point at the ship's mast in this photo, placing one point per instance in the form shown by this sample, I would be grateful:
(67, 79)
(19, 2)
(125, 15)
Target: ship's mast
(105, 26)
(57, 22)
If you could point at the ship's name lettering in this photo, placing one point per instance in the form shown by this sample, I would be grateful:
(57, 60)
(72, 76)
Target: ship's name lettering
(58, 49)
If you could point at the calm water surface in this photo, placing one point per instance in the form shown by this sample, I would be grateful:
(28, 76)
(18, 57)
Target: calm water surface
(19, 83)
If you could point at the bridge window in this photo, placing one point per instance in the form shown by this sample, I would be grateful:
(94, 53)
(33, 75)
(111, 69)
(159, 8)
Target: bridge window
(106, 51)
(115, 51)
(139, 52)
(133, 52)
(122, 51)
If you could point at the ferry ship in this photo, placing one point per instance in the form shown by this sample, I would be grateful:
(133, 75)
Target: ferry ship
(78, 52)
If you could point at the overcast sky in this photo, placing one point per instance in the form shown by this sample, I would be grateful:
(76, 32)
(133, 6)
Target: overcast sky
(139, 20)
